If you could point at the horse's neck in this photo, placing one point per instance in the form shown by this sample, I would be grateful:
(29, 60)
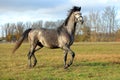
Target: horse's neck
(71, 25)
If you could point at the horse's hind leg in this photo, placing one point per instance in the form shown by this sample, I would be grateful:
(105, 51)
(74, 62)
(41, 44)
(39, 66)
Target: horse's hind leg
(40, 46)
(29, 59)
(31, 54)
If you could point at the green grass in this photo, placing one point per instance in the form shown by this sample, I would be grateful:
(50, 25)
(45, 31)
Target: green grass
(93, 61)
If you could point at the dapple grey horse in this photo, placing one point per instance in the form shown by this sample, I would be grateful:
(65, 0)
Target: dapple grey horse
(62, 37)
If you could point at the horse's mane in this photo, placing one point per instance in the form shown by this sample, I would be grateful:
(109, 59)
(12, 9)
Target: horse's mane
(75, 8)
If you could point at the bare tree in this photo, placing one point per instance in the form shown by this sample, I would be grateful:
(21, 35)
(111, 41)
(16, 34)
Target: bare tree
(37, 24)
(2, 32)
(109, 21)
(49, 24)
(20, 27)
(94, 22)
(28, 25)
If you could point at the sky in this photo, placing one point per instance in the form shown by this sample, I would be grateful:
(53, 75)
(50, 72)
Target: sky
(12, 11)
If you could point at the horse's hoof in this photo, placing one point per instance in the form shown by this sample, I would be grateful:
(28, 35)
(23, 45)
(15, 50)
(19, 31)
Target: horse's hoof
(66, 66)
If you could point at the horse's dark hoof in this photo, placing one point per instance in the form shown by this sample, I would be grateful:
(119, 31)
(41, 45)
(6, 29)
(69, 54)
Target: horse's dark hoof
(66, 66)
(34, 65)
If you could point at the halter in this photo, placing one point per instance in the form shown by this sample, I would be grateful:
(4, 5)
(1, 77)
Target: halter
(78, 16)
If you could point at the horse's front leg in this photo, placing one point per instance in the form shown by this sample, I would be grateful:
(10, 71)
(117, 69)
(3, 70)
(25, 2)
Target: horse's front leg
(65, 58)
(68, 50)
(72, 55)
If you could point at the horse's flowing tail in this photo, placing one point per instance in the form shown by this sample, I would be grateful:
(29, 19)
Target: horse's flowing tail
(22, 38)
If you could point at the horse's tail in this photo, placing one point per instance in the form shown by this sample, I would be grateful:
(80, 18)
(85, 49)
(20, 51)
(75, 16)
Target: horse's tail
(22, 38)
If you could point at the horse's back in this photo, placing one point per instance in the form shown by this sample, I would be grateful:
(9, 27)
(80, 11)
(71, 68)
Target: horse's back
(47, 37)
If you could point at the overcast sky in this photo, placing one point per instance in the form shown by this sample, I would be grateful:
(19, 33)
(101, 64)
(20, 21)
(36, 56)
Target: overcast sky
(33, 10)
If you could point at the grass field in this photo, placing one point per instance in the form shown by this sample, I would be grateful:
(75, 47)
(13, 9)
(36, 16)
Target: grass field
(93, 61)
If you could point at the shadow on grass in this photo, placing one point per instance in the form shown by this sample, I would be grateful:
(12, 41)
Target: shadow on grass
(94, 63)
(76, 64)
(84, 63)
(54, 66)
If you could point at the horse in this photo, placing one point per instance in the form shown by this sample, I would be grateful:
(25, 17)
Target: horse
(61, 37)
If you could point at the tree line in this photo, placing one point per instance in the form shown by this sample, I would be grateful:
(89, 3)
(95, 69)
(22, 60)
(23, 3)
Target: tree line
(98, 26)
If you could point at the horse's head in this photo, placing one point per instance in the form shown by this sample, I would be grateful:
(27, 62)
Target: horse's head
(78, 15)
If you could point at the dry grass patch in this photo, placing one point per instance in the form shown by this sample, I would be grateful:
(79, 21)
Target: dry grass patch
(93, 61)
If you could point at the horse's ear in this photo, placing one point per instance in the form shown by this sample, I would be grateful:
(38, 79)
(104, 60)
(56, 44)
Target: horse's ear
(76, 8)
(80, 8)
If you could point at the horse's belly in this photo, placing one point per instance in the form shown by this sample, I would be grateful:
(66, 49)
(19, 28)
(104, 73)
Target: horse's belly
(50, 43)
(53, 44)
(48, 38)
